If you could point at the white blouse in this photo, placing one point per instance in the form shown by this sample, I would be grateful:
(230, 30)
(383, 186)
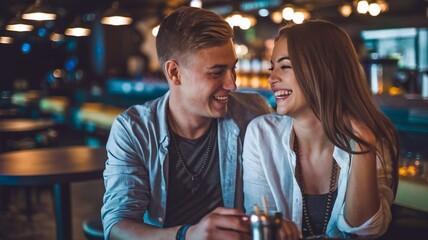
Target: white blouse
(268, 170)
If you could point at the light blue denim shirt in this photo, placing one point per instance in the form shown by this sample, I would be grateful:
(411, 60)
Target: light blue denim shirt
(269, 166)
(136, 173)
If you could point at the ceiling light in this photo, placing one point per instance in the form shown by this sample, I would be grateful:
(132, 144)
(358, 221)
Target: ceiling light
(38, 12)
(298, 17)
(77, 32)
(345, 10)
(6, 40)
(383, 5)
(57, 37)
(17, 24)
(77, 29)
(374, 9)
(363, 7)
(276, 17)
(196, 3)
(287, 13)
(115, 16)
(242, 21)
(263, 12)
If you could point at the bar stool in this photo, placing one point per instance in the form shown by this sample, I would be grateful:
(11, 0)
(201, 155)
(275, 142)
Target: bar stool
(93, 228)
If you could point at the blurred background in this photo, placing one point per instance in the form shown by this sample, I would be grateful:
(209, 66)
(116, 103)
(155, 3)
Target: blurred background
(45, 54)
(79, 63)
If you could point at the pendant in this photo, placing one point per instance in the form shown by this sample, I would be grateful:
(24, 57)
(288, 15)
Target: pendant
(194, 185)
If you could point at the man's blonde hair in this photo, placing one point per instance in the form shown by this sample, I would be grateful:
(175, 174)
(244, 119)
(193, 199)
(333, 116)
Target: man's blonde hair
(188, 29)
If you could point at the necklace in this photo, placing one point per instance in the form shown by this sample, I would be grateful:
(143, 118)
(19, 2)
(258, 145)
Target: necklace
(194, 174)
(300, 181)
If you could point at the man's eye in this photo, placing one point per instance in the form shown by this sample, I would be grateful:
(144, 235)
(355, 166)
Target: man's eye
(216, 74)
(270, 69)
(285, 67)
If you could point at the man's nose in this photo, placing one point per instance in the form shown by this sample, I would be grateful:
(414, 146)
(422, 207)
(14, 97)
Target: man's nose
(230, 82)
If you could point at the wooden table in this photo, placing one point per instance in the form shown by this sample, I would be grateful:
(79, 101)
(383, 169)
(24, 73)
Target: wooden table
(57, 167)
(17, 125)
(14, 127)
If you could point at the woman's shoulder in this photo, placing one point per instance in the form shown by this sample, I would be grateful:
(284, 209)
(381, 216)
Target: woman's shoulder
(272, 118)
(270, 122)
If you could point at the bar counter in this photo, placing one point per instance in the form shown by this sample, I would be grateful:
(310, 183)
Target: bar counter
(408, 112)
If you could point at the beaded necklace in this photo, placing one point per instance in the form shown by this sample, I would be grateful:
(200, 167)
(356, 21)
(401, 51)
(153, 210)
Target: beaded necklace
(192, 173)
(300, 181)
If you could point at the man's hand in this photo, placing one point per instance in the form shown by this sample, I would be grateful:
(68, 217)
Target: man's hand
(288, 230)
(222, 223)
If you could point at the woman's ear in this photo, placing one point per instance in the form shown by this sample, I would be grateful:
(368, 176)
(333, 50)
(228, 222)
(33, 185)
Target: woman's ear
(171, 69)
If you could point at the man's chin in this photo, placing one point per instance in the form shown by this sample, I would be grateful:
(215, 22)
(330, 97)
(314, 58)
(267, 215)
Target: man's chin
(219, 113)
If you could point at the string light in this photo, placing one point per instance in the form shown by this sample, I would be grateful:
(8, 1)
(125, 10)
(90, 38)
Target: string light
(242, 21)
(371, 7)
(287, 13)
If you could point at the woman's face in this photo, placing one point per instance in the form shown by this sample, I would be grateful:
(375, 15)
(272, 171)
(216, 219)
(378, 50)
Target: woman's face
(289, 98)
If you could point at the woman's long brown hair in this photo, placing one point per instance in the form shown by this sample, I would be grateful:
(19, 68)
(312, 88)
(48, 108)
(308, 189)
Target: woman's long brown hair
(330, 76)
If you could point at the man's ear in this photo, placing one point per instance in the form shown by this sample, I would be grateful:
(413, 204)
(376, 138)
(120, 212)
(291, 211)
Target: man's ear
(171, 69)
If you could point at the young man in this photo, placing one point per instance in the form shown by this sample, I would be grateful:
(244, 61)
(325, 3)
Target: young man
(174, 163)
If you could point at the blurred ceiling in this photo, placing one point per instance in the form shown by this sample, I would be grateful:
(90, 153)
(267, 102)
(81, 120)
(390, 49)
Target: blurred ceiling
(46, 55)
(401, 13)
(67, 10)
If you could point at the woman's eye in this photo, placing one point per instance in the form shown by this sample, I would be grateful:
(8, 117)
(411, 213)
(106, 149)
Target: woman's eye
(282, 67)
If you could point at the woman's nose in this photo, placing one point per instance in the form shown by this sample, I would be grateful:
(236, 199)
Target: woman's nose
(272, 78)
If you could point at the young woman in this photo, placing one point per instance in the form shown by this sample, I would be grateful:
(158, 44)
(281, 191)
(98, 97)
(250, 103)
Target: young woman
(327, 160)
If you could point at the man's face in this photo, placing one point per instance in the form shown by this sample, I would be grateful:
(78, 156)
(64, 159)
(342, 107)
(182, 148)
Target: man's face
(207, 77)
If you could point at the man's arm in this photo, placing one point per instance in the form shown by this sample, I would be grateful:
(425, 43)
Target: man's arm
(222, 223)
(130, 229)
(126, 179)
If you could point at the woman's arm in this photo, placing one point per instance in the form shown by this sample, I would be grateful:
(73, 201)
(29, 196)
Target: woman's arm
(362, 196)
(368, 197)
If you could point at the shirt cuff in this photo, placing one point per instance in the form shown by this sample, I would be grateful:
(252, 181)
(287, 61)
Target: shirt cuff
(374, 226)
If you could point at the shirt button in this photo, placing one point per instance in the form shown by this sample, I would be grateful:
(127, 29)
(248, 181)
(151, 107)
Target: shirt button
(163, 188)
(297, 200)
(160, 219)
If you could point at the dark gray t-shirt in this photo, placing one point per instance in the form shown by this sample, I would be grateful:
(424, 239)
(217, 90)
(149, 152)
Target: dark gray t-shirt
(316, 205)
(184, 206)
